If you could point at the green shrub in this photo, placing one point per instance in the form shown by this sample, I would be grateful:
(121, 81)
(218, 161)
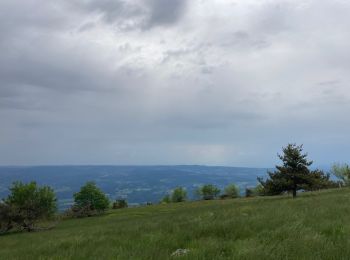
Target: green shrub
(342, 171)
(259, 190)
(90, 200)
(26, 205)
(80, 212)
(6, 217)
(249, 192)
(179, 195)
(208, 192)
(231, 191)
(254, 191)
(166, 199)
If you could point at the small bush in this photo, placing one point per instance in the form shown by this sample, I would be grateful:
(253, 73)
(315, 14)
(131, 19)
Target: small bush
(249, 192)
(224, 196)
(254, 191)
(119, 204)
(89, 201)
(6, 217)
(166, 199)
(231, 191)
(80, 212)
(208, 192)
(342, 171)
(179, 195)
(26, 205)
(259, 190)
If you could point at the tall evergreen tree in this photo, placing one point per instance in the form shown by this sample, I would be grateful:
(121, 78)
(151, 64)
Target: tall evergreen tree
(292, 175)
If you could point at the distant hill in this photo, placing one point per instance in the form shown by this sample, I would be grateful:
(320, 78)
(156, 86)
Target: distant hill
(138, 184)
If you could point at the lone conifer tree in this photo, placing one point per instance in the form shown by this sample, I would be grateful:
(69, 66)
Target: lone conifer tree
(292, 175)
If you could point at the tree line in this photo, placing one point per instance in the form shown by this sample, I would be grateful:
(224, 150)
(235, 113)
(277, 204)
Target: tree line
(29, 205)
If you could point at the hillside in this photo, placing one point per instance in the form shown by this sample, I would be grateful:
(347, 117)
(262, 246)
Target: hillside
(313, 226)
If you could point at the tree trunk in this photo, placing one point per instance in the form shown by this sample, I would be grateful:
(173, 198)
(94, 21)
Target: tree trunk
(294, 187)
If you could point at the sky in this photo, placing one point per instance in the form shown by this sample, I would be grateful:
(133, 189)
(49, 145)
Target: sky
(224, 82)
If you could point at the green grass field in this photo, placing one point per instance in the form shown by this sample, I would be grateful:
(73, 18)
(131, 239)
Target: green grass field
(313, 226)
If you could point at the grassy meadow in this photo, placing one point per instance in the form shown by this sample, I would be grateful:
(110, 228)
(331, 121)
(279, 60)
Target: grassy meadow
(315, 225)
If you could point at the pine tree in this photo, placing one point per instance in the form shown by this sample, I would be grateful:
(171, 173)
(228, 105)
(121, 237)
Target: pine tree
(292, 175)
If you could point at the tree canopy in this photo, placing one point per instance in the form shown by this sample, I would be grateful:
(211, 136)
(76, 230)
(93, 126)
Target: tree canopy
(26, 205)
(208, 192)
(91, 198)
(179, 194)
(342, 171)
(232, 191)
(294, 173)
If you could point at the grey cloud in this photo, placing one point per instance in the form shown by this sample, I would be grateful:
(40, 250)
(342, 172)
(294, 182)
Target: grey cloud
(86, 27)
(30, 16)
(113, 11)
(32, 75)
(238, 81)
(329, 82)
(45, 67)
(275, 17)
(178, 53)
(207, 120)
(165, 12)
(207, 69)
(110, 9)
(244, 40)
(136, 14)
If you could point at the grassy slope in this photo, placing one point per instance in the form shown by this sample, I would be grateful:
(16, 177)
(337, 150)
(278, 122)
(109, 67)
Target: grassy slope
(313, 226)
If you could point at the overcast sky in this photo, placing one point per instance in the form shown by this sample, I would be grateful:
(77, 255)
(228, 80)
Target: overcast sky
(224, 82)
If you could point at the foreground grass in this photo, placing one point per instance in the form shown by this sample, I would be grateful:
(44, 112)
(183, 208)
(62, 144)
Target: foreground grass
(313, 226)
